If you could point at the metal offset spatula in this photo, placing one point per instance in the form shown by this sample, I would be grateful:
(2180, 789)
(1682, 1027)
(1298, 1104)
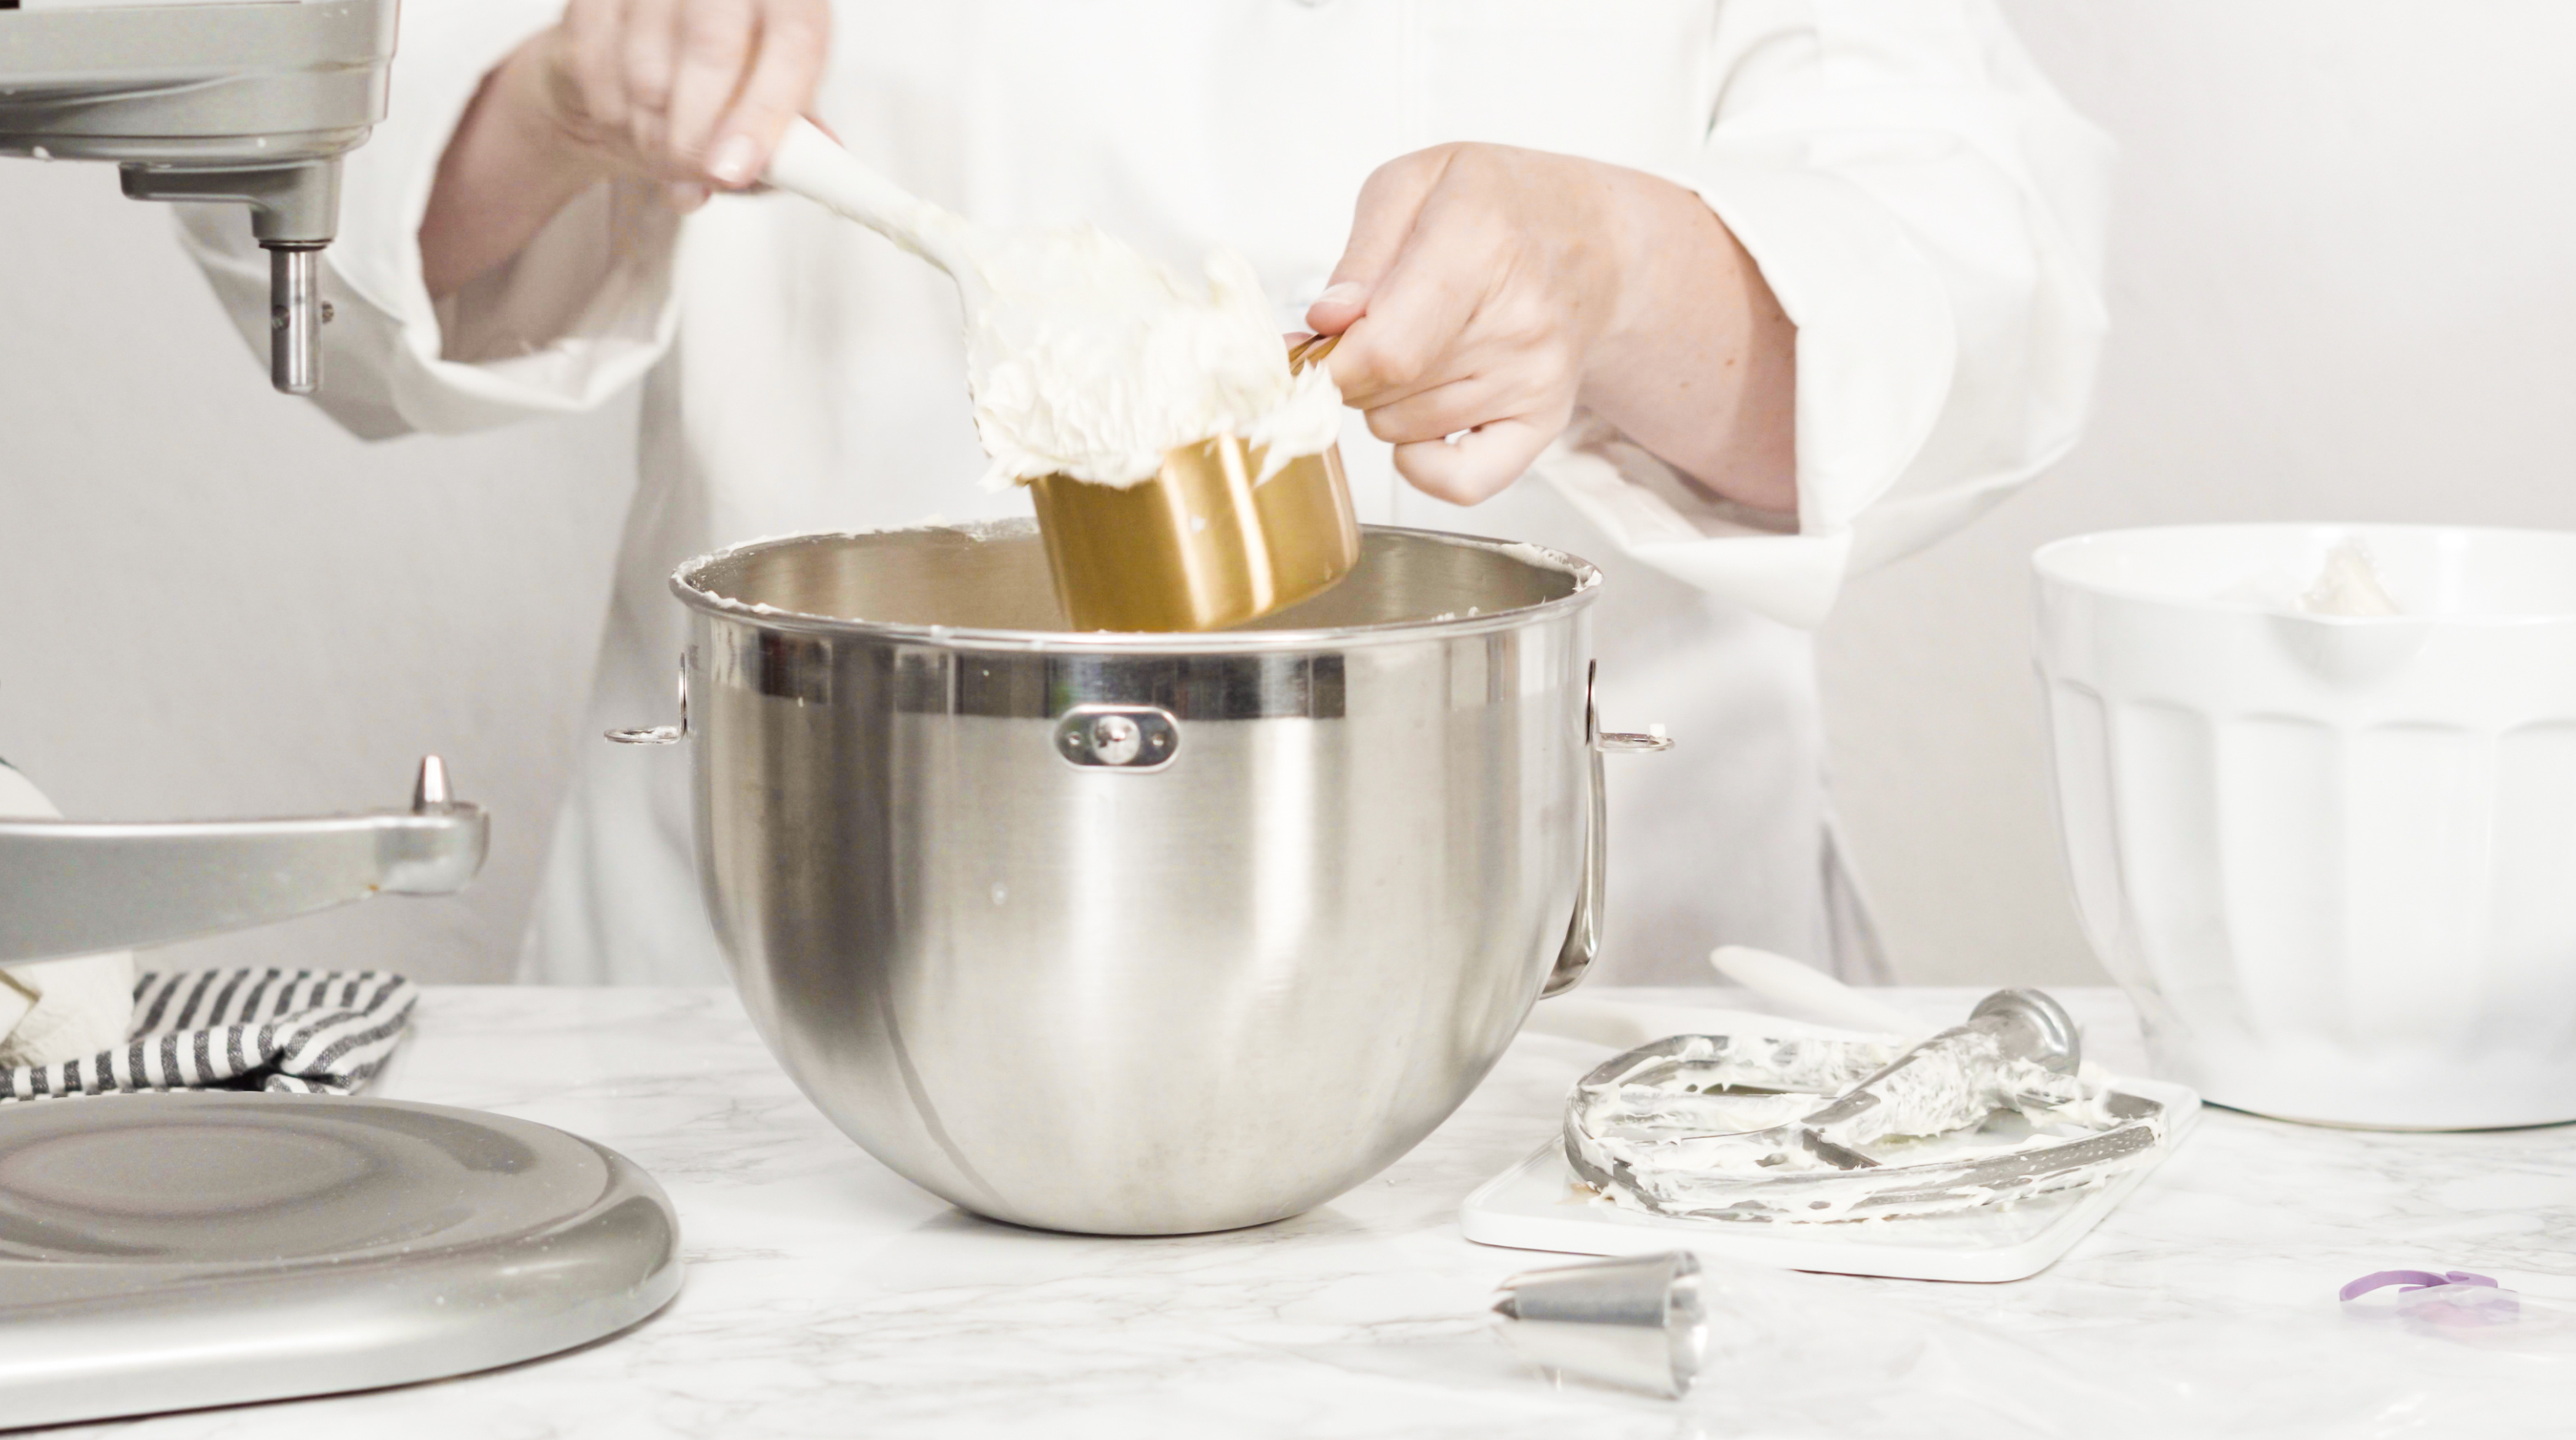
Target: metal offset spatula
(2025, 1025)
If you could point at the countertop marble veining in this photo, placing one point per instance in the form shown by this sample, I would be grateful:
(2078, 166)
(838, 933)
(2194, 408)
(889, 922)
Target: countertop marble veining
(824, 1296)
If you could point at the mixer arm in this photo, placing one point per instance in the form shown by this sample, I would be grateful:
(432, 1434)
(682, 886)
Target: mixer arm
(77, 888)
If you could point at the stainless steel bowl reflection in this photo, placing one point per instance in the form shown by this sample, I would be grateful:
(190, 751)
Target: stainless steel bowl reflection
(1140, 934)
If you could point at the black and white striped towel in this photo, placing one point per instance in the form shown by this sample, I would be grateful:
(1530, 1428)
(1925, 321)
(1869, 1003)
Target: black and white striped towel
(306, 1031)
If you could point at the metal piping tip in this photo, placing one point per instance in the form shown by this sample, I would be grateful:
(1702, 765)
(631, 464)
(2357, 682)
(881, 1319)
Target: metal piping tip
(430, 793)
(1637, 1321)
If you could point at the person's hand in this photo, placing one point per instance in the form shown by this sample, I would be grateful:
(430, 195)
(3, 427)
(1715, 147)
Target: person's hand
(1486, 291)
(1476, 282)
(694, 93)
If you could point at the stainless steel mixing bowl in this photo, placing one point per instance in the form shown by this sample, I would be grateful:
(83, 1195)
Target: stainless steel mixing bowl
(1140, 933)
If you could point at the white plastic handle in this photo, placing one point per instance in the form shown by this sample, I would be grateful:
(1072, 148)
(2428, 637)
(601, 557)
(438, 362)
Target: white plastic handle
(1781, 979)
(809, 163)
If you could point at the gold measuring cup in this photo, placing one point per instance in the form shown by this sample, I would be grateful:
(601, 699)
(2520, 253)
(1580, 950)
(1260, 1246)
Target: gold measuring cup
(1203, 544)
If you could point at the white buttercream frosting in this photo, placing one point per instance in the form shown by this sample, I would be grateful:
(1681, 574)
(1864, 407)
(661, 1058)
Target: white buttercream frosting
(1083, 357)
(2348, 585)
(1088, 359)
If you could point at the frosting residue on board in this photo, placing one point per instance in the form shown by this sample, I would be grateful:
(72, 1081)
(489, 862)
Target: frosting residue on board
(1683, 1127)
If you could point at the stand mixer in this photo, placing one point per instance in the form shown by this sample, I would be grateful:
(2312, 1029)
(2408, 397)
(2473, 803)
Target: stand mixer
(162, 1251)
(247, 104)
(71, 887)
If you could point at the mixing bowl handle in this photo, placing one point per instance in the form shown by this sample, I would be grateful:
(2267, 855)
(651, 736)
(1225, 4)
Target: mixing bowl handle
(72, 887)
(662, 734)
(1583, 932)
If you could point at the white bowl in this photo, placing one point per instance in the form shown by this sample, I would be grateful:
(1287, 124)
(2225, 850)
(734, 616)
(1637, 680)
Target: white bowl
(2332, 860)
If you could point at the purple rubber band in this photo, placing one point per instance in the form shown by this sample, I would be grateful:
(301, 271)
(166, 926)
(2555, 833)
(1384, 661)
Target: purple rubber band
(2412, 1280)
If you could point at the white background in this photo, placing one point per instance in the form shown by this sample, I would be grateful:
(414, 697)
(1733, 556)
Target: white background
(2343, 286)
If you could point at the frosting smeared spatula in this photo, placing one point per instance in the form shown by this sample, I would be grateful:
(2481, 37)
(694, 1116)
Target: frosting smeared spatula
(1948, 1082)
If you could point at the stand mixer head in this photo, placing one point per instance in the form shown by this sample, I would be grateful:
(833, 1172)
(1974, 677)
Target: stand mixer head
(249, 104)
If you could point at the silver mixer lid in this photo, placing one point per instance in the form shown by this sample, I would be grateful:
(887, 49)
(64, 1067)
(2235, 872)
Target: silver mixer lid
(169, 1251)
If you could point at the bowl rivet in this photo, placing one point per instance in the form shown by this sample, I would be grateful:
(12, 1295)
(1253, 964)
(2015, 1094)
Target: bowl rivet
(1116, 739)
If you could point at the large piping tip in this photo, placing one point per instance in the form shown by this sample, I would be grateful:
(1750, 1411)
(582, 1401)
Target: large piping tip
(1638, 1322)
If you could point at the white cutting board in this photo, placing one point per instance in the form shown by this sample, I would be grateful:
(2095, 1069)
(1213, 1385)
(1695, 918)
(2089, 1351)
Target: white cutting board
(1535, 1205)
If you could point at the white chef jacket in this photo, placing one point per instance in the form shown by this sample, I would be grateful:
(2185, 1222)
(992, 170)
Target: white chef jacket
(1925, 206)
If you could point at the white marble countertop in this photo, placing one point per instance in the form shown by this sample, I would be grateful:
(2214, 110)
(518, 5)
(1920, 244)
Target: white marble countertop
(824, 1296)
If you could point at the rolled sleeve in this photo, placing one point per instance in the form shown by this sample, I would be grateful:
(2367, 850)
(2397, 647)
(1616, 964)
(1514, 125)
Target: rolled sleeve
(580, 314)
(1928, 212)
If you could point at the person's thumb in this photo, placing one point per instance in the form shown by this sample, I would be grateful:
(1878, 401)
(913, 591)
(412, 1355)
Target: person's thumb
(1389, 204)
